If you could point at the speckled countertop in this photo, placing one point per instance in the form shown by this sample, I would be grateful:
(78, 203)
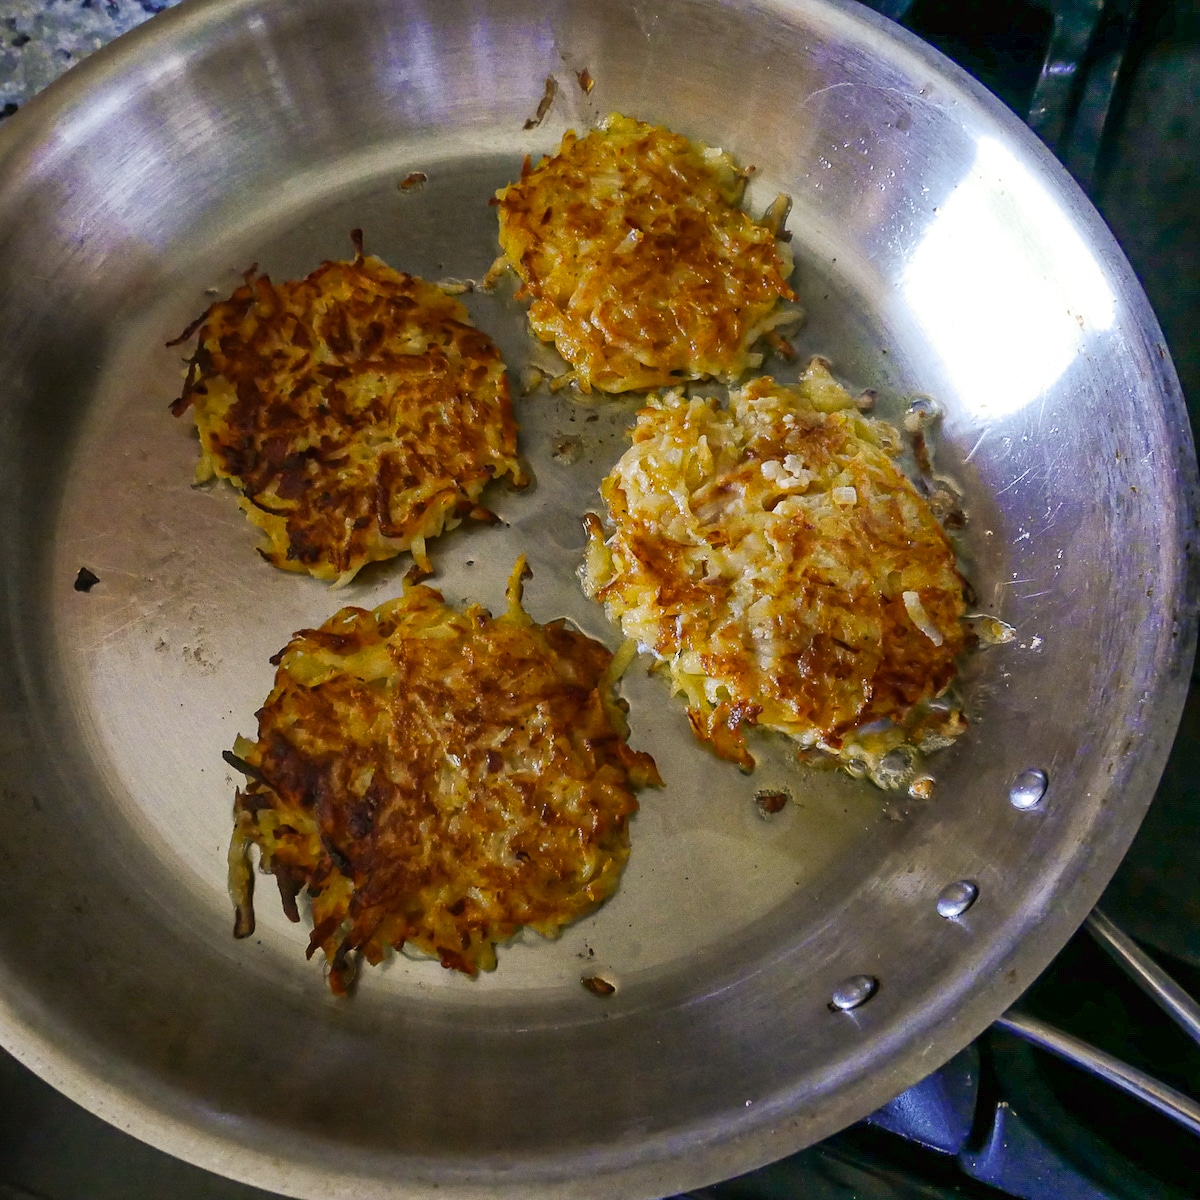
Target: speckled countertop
(40, 39)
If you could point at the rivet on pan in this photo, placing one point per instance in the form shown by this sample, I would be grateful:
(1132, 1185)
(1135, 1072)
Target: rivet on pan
(852, 992)
(1028, 788)
(956, 898)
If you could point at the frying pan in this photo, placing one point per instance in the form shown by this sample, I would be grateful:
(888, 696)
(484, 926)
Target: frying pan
(940, 251)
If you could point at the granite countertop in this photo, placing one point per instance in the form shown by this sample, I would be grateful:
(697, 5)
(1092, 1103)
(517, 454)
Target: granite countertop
(40, 39)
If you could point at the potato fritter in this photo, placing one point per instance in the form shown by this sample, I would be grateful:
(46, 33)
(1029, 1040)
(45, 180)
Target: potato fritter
(776, 559)
(438, 778)
(358, 412)
(640, 267)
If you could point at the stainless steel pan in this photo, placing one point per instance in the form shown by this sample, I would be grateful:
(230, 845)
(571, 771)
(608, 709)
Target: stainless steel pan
(940, 251)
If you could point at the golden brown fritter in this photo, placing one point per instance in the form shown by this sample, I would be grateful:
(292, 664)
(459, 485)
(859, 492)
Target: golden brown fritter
(640, 267)
(358, 412)
(439, 778)
(772, 554)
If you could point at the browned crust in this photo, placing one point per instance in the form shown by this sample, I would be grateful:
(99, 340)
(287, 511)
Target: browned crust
(439, 778)
(639, 265)
(791, 603)
(357, 411)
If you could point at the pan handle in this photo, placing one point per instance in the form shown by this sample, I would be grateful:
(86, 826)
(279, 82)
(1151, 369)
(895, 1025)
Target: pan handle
(1165, 992)
(1146, 1088)
(1146, 973)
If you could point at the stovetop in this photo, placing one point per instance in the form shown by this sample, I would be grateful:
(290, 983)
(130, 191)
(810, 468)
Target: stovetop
(1111, 86)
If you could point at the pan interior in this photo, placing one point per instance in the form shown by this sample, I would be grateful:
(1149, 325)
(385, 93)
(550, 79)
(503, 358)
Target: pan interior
(165, 661)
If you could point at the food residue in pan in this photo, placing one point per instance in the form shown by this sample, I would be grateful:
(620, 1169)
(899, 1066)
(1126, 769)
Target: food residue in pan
(771, 801)
(357, 412)
(437, 778)
(544, 104)
(598, 985)
(86, 580)
(567, 449)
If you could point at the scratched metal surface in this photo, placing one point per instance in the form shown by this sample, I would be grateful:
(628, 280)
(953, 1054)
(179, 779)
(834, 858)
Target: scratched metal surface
(940, 251)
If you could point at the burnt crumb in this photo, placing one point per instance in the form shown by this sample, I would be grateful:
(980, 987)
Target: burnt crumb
(597, 985)
(544, 105)
(483, 515)
(413, 180)
(86, 580)
(586, 952)
(245, 768)
(922, 787)
(780, 345)
(920, 448)
(775, 218)
(7, 110)
(566, 449)
(586, 82)
(771, 802)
